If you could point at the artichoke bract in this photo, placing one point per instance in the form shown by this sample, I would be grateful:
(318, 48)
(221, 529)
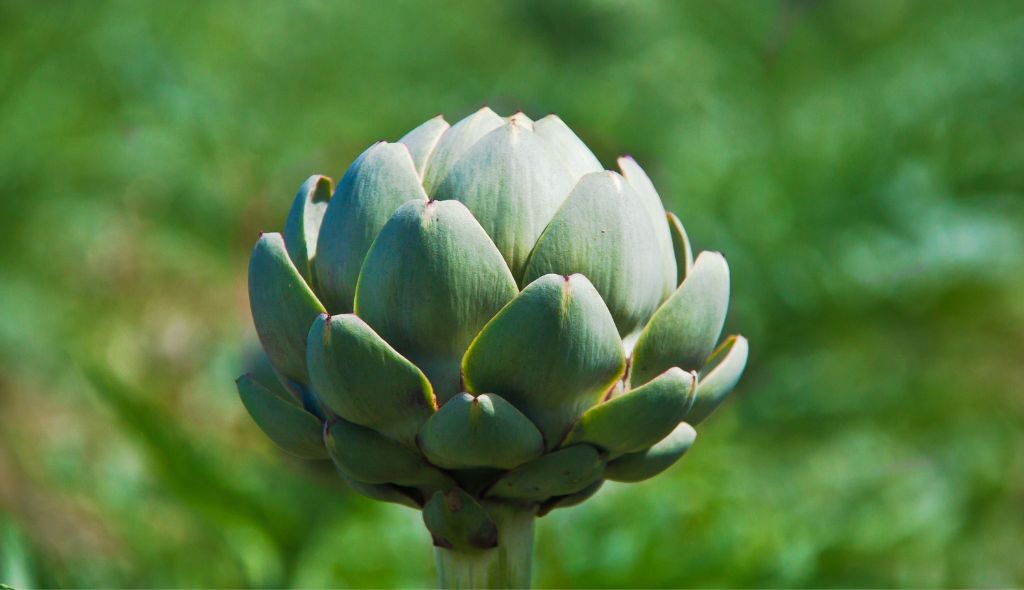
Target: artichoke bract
(482, 322)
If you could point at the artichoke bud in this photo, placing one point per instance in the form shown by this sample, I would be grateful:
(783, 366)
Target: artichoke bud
(452, 323)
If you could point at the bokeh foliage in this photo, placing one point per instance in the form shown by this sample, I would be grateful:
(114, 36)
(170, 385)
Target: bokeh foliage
(859, 162)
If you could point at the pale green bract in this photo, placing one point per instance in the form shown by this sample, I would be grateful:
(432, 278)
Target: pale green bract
(481, 322)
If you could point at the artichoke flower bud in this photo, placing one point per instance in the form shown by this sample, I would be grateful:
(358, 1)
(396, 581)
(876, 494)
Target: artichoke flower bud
(482, 322)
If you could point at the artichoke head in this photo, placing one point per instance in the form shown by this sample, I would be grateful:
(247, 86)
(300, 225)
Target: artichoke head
(482, 313)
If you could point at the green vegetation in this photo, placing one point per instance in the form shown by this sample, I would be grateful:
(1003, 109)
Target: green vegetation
(859, 162)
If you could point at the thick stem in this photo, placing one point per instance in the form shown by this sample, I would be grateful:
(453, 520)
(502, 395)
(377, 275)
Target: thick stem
(506, 566)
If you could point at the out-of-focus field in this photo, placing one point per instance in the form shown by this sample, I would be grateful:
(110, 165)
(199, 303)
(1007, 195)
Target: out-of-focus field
(860, 164)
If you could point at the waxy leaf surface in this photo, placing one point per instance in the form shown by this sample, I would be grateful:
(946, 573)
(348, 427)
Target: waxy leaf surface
(422, 140)
(380, 180)
(364, 380)
(370, 457)
(648, 463)
(484, 431)
(454, 144)
(683, 253)
(431, 280)
(602, 232)
(719, 377)
(284, 422)
(283, 306)
(562, 472)
(567, 146)
(684, 330)
(651, 203)
(552, 353)
(640, 417)
(513, 186)
(302, 228)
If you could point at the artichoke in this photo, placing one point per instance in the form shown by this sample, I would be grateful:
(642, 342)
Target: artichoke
(481, 322)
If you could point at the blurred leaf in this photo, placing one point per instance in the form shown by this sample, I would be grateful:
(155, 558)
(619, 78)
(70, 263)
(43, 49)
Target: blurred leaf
(16, 563)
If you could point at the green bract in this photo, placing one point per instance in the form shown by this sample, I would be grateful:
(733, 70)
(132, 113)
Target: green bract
(481, 321)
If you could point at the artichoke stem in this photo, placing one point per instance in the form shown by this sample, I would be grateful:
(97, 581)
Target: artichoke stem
(505, 566)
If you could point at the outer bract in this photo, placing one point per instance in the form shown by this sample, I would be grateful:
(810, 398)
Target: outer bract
(482, 323)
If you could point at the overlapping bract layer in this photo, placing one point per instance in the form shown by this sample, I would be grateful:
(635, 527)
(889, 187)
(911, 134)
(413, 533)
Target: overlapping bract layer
(459, 316)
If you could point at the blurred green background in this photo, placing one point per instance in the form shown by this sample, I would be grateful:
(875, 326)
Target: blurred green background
(860, 163)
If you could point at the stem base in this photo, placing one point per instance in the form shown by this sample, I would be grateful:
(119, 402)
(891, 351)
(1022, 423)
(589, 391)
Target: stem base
(506, 566)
